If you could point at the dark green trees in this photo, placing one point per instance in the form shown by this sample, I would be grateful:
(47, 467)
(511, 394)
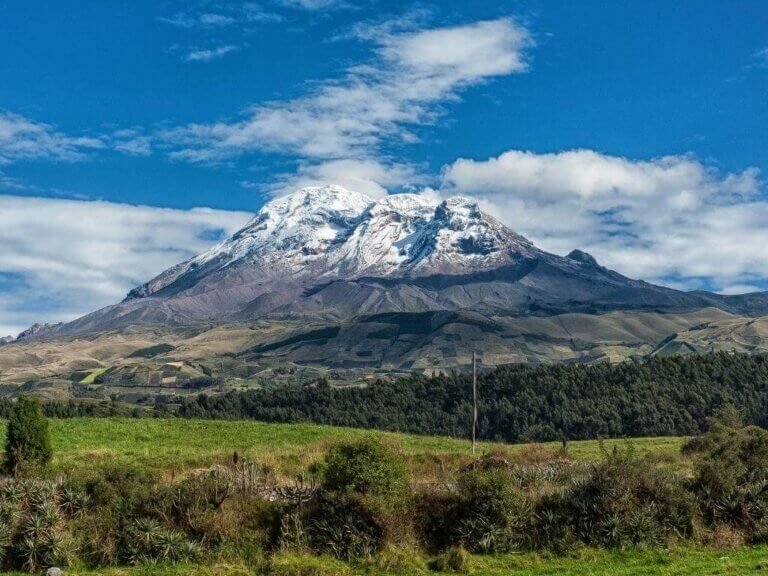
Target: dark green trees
(28, 440)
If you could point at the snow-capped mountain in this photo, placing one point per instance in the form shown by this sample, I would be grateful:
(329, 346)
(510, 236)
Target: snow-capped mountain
(334, 254)
(329, 232)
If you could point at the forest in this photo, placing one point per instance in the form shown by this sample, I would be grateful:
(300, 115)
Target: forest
(672, 396)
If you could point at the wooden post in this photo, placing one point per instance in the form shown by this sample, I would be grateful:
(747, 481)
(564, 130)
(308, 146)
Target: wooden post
(474, 401)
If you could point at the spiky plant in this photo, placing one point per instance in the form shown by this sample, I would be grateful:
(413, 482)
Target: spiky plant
(74, 502)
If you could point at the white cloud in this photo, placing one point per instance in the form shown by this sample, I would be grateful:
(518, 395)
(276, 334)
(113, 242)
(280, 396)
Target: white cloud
(739, 289)
(25, 139)
(372, 104)
(60, 259)
(227, 14)
(206, 55)
(368, 176)
(22, 139)
(131, 141)
(761, 57)
(317, 5)
(193, 20)
(670, 219)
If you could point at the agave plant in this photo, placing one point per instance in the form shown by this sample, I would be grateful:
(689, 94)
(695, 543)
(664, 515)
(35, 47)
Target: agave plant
(74, 502)
(170, 546)
(141, 536)
(37, 550)
(148, 541)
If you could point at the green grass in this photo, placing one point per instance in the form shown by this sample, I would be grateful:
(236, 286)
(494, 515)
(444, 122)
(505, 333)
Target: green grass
(95, 373)
(684, 562)
(176, 444)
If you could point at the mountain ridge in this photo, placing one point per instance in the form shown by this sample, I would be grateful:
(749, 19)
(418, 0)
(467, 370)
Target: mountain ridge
(328, 252)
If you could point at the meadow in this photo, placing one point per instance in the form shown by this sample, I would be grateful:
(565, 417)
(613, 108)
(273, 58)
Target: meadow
(175, 447)
(590, 562)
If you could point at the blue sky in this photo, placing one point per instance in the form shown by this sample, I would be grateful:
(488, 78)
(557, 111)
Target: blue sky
(636, 130)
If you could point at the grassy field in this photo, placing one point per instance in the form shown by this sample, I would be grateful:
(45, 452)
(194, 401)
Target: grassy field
(589, 562)
(174, 446)
(177, 445)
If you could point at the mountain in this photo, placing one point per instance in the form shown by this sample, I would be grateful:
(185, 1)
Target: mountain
(332, 254)
(328, 282)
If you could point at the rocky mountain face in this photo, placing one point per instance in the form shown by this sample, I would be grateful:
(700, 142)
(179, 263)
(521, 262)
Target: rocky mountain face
(333, 254)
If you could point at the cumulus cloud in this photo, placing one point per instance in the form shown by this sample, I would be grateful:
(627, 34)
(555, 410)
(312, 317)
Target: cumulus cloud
(208, 54)
(670, 220)
(375, 103)
(60, 259)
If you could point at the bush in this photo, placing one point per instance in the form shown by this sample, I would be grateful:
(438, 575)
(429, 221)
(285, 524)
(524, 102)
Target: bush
(146, 540)
(113, 496)
(27, 440)
(731, 478)
(622, 501)
(437, 513)
(363, 503)
(365, 466)
(494, 514)
(194, 504)
(345, 526)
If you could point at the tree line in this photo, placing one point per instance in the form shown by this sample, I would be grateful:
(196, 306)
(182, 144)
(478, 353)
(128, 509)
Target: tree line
(658, 397)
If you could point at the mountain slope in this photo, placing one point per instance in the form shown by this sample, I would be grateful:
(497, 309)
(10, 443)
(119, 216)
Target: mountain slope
(333, 254)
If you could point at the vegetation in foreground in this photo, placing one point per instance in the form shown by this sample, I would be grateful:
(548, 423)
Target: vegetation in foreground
(384, 504)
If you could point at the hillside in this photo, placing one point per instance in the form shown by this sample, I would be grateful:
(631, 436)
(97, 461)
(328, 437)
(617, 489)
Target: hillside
(158, 360)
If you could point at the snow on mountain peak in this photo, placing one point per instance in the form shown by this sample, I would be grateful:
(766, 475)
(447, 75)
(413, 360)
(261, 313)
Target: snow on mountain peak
(328, 232)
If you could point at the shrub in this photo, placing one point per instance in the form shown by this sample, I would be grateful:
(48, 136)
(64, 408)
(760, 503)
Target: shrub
(345, 526)
(363, 502)
(146, 540)
(622, 501)
(194, 504)
(365, 466)
(27, 440)
(731, 478)
(113, 496)
(494, 513)
(245, 520)
(437, 513)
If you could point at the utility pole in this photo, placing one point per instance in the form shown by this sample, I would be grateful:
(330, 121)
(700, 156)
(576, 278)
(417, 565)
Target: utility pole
(474, 401)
